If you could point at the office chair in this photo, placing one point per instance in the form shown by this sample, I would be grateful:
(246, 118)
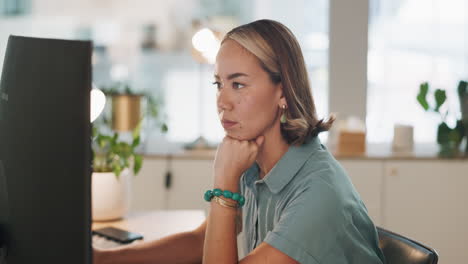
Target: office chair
(402, 250)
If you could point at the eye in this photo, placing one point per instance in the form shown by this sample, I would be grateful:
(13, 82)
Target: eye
(217, 84)
(237, 85)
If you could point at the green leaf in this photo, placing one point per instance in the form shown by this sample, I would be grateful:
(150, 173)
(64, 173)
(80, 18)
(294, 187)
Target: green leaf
(440, 97)
(454, 136)
(164, 128)
(443, 133)
(117, 170)
(128, 90)
(103, 140)
(461, 129)
(137, 130)
(138, 160)
(462, 88)
(152, 106)
(423, 89)
(124, 148)
(136, 142)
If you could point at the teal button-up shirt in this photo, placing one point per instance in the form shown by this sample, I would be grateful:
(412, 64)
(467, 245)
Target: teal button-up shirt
(307, 208)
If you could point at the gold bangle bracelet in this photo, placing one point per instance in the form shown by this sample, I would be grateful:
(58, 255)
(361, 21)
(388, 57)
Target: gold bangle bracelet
(224, 203)
(229, 201)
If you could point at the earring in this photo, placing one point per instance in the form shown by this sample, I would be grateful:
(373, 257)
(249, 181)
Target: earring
(283, 115)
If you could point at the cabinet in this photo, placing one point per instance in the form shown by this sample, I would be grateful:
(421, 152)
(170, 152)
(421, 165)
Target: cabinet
(148, 189)
(428, 201)
(190, 180)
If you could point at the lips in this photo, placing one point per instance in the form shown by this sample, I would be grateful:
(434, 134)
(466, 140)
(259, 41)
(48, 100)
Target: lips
(228, 123)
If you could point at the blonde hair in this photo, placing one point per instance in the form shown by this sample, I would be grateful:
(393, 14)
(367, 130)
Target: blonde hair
(281, 57)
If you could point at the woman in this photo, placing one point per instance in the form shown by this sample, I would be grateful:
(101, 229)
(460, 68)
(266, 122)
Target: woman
(300, 206)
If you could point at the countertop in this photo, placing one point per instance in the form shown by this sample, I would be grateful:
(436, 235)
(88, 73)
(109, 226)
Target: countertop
(373, 152)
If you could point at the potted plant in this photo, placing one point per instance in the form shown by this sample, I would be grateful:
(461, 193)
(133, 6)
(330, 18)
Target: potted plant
(448, 138)
(114, 163)
(115, 160)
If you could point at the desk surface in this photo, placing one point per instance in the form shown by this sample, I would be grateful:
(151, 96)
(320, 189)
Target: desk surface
(157, 224)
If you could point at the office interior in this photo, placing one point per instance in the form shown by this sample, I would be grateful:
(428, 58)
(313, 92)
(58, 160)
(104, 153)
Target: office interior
(367, 60)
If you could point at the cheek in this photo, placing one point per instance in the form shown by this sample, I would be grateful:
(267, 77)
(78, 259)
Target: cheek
(258, 108)
(255, 115)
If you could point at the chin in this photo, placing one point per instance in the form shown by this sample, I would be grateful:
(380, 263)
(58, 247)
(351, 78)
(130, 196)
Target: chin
(241, 136)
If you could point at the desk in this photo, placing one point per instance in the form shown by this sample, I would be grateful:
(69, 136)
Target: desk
(157, 224)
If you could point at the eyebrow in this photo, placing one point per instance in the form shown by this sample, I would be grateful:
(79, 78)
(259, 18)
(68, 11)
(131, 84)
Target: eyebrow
(233, 75)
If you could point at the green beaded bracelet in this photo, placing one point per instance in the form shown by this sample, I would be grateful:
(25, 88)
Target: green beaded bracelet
(208, 195)
(217, 192)
(228, 194)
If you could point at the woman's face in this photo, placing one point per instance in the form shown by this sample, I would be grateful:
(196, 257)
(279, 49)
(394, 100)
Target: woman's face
(248, 101)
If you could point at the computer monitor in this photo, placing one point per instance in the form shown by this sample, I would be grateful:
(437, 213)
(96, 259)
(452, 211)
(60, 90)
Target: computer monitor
(45, 151)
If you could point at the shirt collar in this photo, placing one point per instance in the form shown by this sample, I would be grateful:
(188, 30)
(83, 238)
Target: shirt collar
(286, 168)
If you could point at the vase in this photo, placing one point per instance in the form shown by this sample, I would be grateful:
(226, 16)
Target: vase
(110, 195)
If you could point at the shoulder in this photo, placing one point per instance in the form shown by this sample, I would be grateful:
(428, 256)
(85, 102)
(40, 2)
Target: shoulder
(310, 222)
(321, 168)
(317, 199)
(322, 189)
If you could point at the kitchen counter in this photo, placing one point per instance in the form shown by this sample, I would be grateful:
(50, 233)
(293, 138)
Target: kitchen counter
(373, 152)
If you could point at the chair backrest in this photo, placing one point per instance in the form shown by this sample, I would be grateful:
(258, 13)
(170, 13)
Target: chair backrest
(402, 250)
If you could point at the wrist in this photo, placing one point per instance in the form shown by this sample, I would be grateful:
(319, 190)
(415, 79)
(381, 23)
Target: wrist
(233, 187)
(227, 182)
(225, 198)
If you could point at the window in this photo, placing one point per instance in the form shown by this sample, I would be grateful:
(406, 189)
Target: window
(169, 70)
(410, 42)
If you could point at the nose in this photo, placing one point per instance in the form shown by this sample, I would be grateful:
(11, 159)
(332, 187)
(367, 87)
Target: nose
(224, 100)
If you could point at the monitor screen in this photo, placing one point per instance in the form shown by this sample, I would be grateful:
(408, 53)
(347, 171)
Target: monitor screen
(45, 151)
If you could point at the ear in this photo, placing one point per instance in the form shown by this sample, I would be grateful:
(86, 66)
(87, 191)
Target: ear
(282, 98)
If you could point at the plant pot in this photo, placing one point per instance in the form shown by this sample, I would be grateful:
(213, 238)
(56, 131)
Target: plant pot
(449, 150)
(110, 195)
(125, 112)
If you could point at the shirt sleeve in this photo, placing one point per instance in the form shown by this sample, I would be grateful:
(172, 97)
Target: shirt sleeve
(309, 225)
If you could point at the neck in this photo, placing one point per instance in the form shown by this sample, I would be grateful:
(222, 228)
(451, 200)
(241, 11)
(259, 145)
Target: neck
(271, 152)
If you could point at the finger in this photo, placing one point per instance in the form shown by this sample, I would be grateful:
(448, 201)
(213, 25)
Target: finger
(259, 140)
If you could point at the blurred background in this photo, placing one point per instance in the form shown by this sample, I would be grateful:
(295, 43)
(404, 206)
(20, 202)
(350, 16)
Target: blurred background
(148, 45)
(368, 62)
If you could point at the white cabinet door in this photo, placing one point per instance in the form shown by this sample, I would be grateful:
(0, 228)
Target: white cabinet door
(190, 180)
(367, 177)
(148, 191)
(428, 201)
